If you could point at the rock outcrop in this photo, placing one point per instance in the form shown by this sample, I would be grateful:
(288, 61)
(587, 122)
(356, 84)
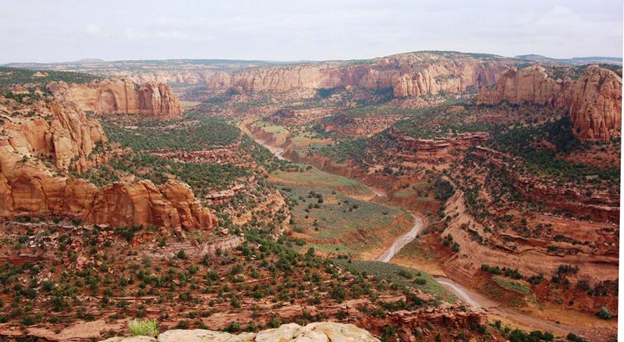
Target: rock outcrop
(158, 100)
(532, 85)
(40, 143)
(593, 101)
(409, 74)
(596, 106)
(120, 95)
(59, 132)
(313, 332)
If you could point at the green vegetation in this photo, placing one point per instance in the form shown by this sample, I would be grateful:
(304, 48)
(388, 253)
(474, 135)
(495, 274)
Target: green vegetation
(15, 76)
(573, 337)
(338, 223)
(512, 285)
(139, 327)
(604, 313)
(202, 177)
(311, 177)
(522, 142)
(184, 134)
(397, 274)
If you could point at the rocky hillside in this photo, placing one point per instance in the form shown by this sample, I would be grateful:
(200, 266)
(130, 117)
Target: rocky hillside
(322, 331)
(120, 95)
(408, 74)
(45, 138)
(594, 100)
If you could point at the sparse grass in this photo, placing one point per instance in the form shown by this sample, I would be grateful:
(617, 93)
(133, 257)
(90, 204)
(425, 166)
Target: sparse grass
(512, 285)
(188, 104)
(140, 327)
(343, 224)
(396, 274)
(315, 178)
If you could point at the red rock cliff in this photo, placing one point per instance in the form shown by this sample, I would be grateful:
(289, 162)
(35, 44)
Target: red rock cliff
(41, 142)
(596, 106)
(120, 95)
(594, 101)
(409, 74)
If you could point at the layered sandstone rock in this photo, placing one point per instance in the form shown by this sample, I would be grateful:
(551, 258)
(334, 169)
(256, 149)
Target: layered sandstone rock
(313, 332)
(532, 85)
(60, 133)
(596, 105)
(410, 74)
(158, 100)
(120, 95)
(594, 101)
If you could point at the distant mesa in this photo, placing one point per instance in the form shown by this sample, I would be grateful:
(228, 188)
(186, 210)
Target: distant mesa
(571, 61)
(407, 74)
(88, 61)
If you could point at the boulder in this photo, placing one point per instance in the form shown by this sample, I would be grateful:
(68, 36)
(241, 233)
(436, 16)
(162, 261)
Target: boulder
(313, 332)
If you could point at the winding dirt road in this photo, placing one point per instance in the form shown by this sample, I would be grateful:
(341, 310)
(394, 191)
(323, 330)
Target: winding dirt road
(402, 240)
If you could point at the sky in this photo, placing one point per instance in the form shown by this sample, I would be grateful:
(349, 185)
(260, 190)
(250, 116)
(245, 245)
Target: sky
(292, 30)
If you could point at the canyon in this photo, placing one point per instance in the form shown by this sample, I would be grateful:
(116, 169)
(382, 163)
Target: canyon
(425, 195)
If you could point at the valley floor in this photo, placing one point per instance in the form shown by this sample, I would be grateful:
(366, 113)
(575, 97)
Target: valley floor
(544, 320)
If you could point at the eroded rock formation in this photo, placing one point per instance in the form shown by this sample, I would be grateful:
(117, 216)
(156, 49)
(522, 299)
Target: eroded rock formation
(61, 133)
(40, 143)
(596, 106)
(120, 95)
(594, 101)
(409, 74)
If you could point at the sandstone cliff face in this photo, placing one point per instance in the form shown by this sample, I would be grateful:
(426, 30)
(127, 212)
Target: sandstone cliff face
(120, 95)
(41, 142)
(58, 132)
(531, 84)
(594, 101)
(158, 100)
(410, 74)
(596, 105)
(29, 189)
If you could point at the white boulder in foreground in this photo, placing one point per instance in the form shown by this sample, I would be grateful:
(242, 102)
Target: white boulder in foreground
(313, 332)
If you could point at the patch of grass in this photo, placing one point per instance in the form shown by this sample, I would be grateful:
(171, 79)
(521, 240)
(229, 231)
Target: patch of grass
(512, 285)
(139, 327)
(395, 274)
(315, 178)
(343, 222)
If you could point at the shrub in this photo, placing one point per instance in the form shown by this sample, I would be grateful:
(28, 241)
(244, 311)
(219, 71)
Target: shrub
(143, 327)
(604, 313)
(406, 274)
(420, 281)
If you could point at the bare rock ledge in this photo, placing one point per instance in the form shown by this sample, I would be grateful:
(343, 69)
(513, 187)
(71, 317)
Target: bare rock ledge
(313, 332)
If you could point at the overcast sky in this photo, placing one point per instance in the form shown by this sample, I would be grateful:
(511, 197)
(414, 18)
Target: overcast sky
(58, 30)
